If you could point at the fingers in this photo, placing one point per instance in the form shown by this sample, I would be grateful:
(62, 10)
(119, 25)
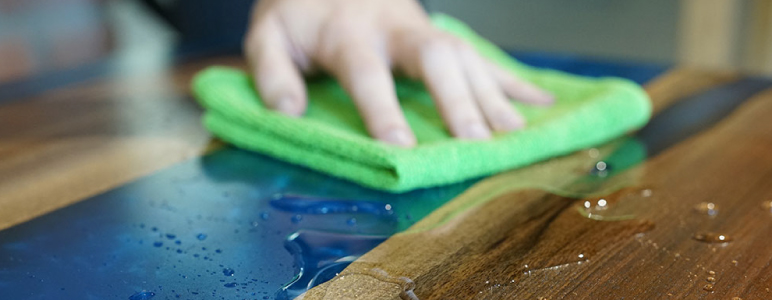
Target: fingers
(443, 74)
(519, 89)
(367, 78)
(499, 113)
(277, 78)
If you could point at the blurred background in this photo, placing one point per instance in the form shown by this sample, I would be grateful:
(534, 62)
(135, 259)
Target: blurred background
(75, 38)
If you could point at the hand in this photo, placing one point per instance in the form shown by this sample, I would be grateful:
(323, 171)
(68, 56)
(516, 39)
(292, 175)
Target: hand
(360, 42)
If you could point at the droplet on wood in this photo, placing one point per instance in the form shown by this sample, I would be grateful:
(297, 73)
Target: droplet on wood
(767, 205)
(708, 208)
(710, 237)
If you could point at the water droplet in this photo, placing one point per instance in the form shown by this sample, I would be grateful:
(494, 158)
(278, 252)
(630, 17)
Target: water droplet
(230, 285)
(201, 236)
(178, 242)
(708, 287)
(264, 215)
(710, 237)
(218, 251)
(170, 236)
(179, 250)
(351, 221)
(602, 203)
(144, 295)
(767, 205)
(581, 255)
(601, 169)
(296, 219)
(154, 229)
(158, 244)
(711, 279)
(711, 273)
(711, 209)
(228, 272)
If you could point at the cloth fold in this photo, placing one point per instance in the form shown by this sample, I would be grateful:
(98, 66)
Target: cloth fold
(331, 137)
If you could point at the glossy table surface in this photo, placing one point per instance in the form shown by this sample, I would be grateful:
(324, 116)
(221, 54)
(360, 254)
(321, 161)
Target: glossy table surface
(111, 189)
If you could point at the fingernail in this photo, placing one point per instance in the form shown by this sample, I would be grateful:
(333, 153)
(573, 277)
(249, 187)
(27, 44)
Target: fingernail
(545, 98)
(475, 131)
(399, 137)
(510, 122)
(287, 106)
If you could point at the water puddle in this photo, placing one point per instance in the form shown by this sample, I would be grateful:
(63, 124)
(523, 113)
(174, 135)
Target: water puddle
(320, 256)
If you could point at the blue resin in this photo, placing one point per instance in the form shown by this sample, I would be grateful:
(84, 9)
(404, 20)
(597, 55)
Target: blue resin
(115, 244)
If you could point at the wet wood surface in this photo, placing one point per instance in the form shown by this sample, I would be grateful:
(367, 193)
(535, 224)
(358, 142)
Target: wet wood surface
(519, 235)
(64, 145)
(692, 222)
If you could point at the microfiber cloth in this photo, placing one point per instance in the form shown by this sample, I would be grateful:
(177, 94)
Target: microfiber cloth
(331, 137)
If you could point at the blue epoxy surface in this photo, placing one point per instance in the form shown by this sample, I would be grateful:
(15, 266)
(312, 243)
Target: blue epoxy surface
(184, 230)
(212, 228)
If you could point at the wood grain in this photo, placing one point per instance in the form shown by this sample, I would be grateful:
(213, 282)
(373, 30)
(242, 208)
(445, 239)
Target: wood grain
(529, 242)
(65, 145)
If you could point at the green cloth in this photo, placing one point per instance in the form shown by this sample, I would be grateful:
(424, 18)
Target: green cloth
(331, 137)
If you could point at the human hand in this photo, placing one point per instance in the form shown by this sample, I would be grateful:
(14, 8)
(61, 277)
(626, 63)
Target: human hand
(360, 42)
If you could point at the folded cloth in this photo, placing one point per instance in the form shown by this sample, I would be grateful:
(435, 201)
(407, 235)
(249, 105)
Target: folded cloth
(331, 137)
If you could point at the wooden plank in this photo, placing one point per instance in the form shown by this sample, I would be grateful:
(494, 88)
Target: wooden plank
(503, 240)
(67, 144)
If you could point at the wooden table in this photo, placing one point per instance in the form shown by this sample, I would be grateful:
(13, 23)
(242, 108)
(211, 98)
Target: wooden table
(651, 230)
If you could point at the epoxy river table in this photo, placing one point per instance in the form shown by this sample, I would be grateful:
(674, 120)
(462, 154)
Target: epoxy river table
(110, 189)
